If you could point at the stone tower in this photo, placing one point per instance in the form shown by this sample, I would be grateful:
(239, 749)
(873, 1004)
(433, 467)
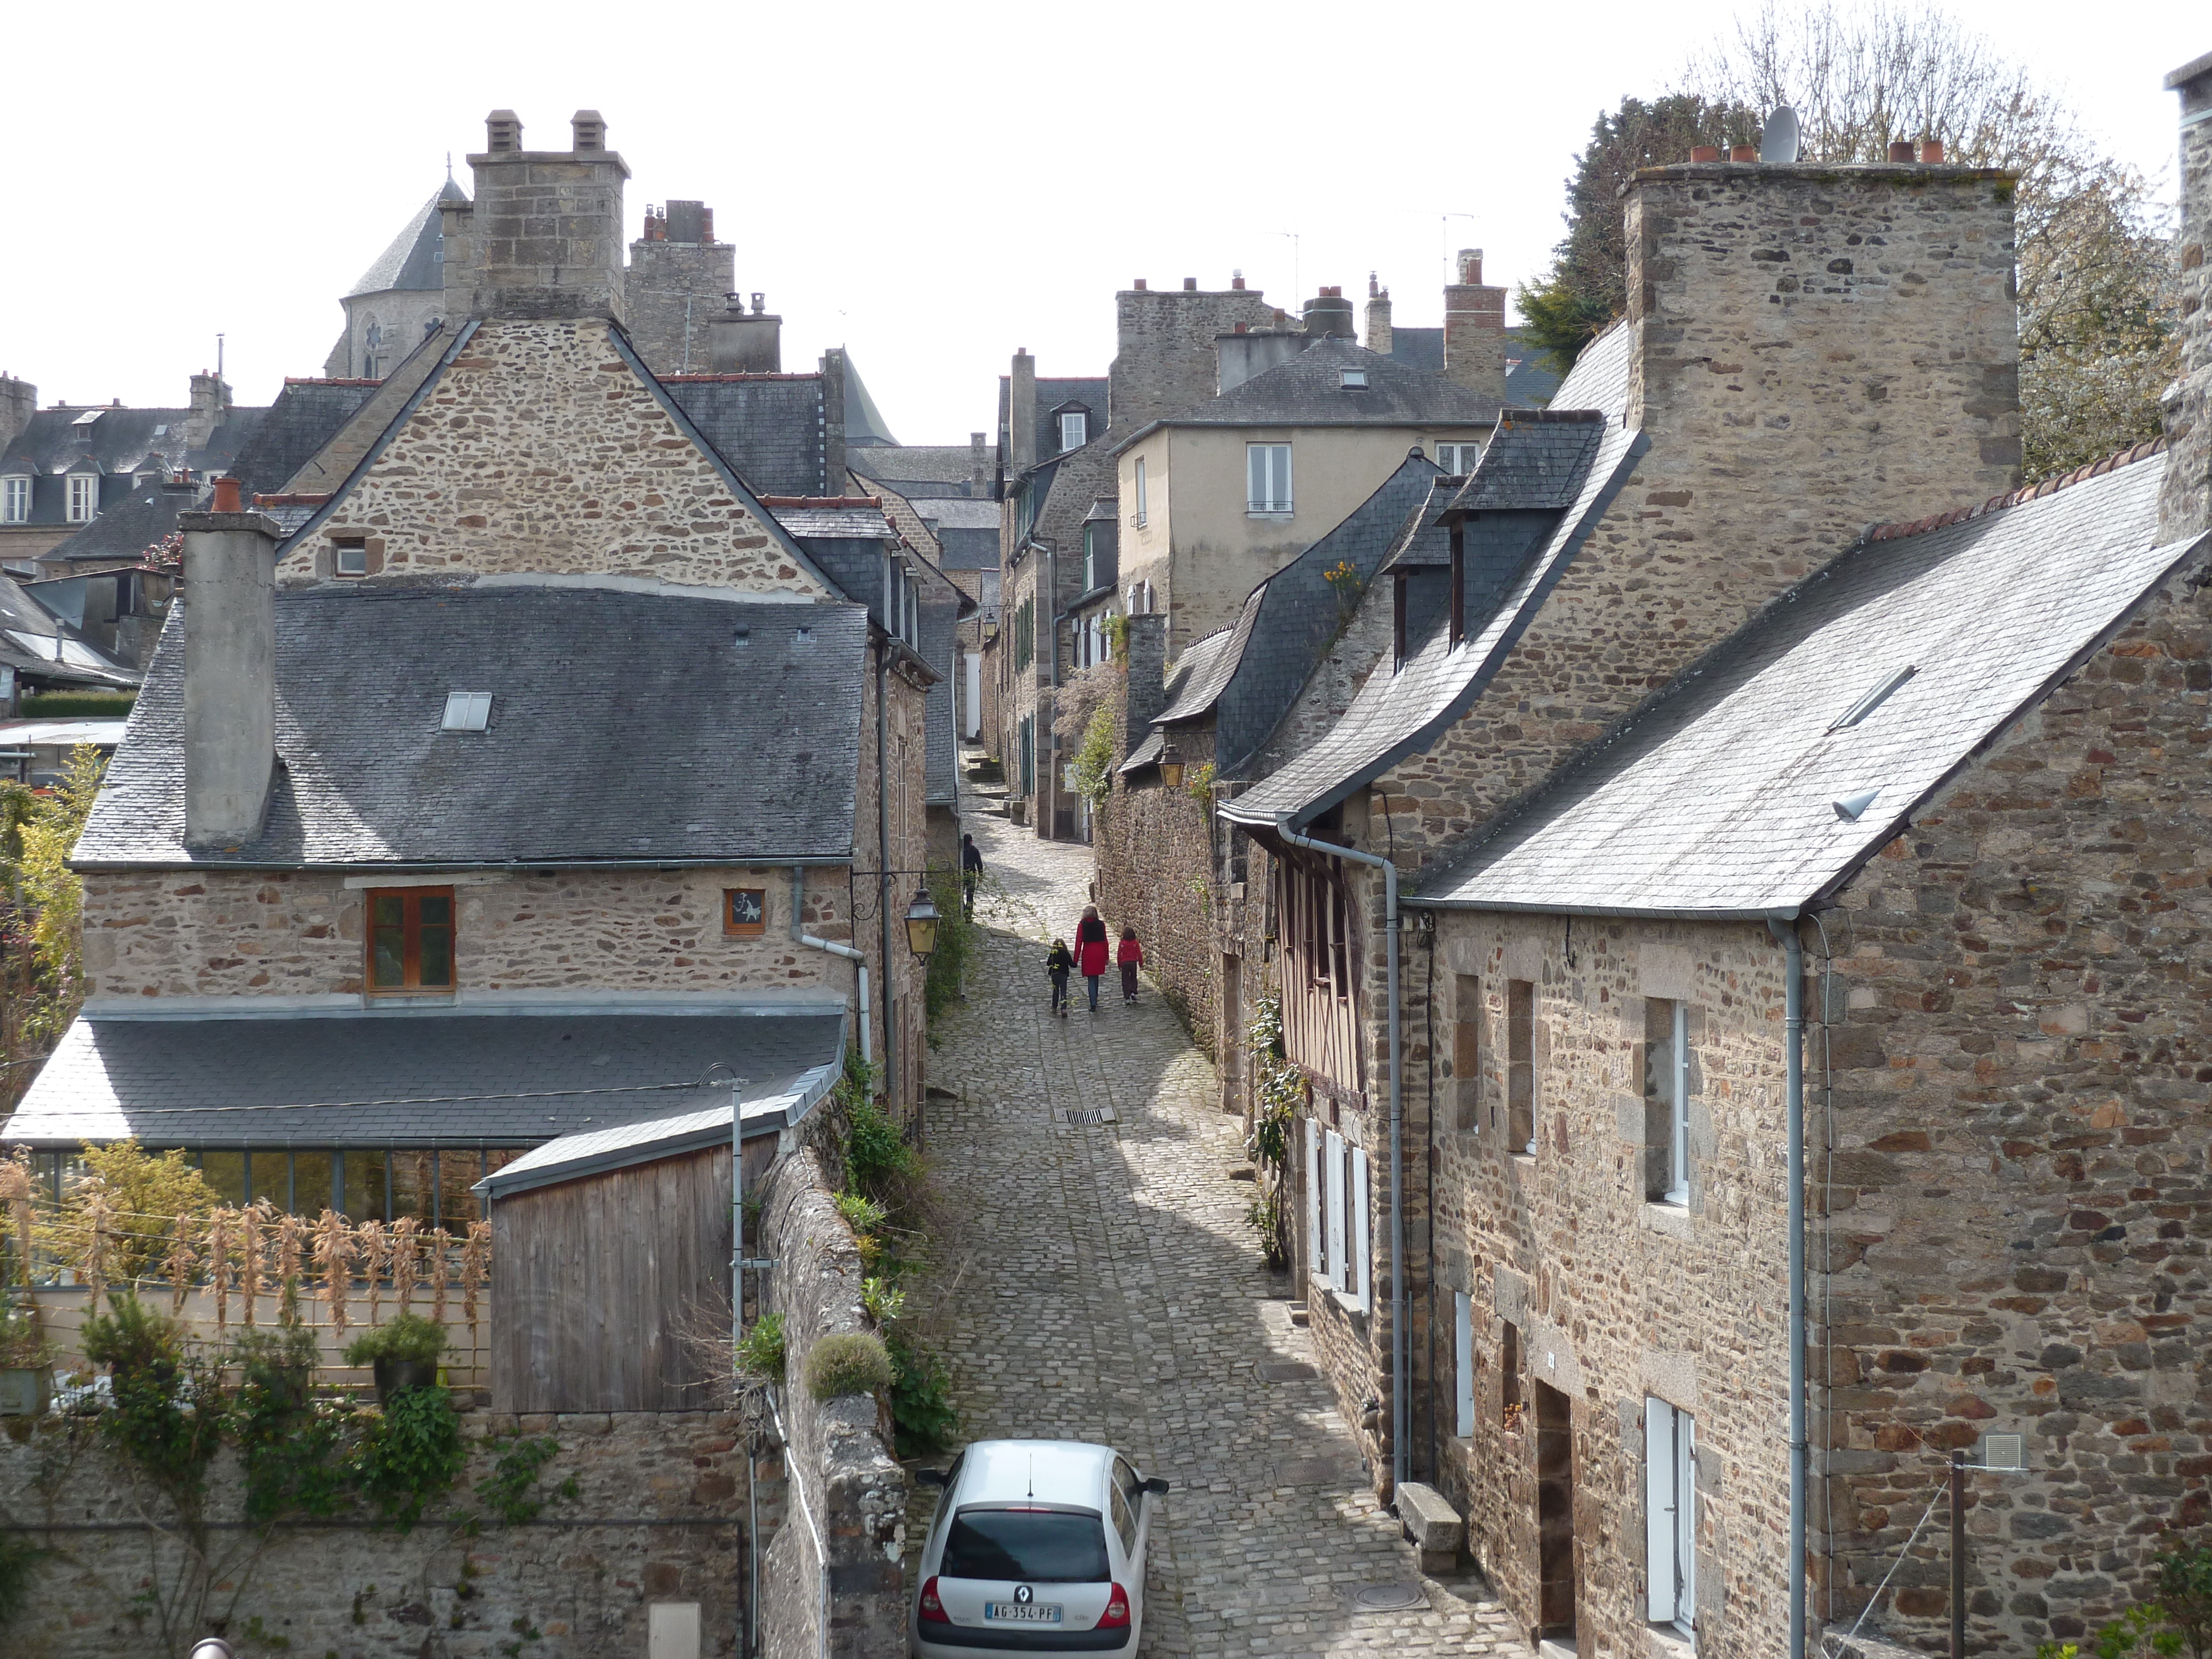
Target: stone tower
(1474, 329)
(545, 239)
(679, 281)
(2184, 507)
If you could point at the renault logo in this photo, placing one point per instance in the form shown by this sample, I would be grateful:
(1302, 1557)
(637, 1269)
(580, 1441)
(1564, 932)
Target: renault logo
(1024, 1594)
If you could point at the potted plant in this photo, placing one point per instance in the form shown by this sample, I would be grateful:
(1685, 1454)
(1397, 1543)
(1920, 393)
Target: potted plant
(403, 1353)
(26, 1363)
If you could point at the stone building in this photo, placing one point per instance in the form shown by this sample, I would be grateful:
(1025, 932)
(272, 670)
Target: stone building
(539, 758)
(399, 300)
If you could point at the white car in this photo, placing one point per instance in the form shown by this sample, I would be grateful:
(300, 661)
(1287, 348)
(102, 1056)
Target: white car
(1037, 1546)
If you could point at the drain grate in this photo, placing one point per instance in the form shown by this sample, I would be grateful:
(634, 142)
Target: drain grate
(1083, 1117)
(1388, 1598)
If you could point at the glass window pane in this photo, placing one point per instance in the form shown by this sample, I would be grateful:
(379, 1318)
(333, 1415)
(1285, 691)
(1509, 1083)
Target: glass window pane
(226, 1173)
(436, 908)
(269, 1175)
(412, 1189)
(364, 1184)
(388, 910)
(436, 950)
(387, 961)
(310, 1183)
(460, 1168)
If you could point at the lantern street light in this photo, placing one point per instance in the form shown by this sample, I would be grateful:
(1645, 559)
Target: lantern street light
(1171, 767)
(921, 925)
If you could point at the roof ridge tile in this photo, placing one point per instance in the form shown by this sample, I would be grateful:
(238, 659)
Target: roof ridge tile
(2035, 491)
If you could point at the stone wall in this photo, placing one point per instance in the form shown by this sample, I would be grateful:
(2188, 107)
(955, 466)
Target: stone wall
(540, 450)
(838, 1551)
(1164, 359)
(2185, 506)
(671, 292)
(221, 932)
(903, 1061)
(658, 1518)
(1154, 847)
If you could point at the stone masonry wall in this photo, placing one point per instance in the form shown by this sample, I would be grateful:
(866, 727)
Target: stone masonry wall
(1164, 359)
(658, 1517)
(671, 292)
(845, 1524)
(2185, 505)
(1156, 873)
(541, 451)
(2019, 1032)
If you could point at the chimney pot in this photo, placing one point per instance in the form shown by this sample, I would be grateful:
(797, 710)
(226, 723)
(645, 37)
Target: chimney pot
(1373, 291)
(1140, 285)
(1240, 328)
(1470, 267)
(1901, 151)
(226, 490)
(1190, 284)
(1705, 153)
(1236, 281)
(502, 130)
(1750, 152)
(1931, 152)
(588, 132)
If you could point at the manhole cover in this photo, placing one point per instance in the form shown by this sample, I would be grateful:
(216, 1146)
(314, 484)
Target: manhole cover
(1388, 1598)
(1083, 1118)
(1288, 1370)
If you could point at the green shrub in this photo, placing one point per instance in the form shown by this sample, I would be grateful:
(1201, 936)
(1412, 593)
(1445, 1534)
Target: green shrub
(78, 705)
(407, 1337)
(875, 1156)
(956, 944)
(848, 1364)
(881, 1300)
(410, 1455)
(133, 1337)
(23, 1344)
(921, 1405)
(760, 1349)
(862, 1215)
(19, 1561)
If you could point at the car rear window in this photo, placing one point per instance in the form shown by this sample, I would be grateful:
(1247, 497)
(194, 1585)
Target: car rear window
(1050, 1546)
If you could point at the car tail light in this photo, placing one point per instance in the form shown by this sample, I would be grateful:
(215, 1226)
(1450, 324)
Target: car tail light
(1117, 1609)
(933, 1610)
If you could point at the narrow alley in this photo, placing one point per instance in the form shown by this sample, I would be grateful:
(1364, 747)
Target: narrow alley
(1100, 1283)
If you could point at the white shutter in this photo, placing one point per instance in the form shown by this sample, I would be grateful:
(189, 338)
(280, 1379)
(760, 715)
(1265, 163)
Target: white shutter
(1333, 1160)
(1685, 1519)
(1358, 1280)
(1659, 1509)
(1463, 1362)
(1314, 1245)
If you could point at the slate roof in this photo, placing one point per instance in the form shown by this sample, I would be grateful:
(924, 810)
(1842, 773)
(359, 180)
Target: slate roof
(416, 259)
(1423, 541)
(1718, 798)
(1398, 713)
(937, 629)
(768, 1108)
(146, 516)
(1538, 467)
(961, 513)
(836, 523)
(1309, 390)
(1250, 680)
(119, 443)
(1090, 390)
(389, 1077)
(39, 645)
(624, 725)
(768, 427)
(305, 415)
(1418, 348)
(908, 463)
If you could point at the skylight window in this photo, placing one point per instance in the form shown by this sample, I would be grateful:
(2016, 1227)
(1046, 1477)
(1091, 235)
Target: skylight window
(1874, 699)
(1353, 379)
(466, 711)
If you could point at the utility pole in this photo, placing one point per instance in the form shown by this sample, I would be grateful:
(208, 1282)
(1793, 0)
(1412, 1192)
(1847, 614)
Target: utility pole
(1957, 1555)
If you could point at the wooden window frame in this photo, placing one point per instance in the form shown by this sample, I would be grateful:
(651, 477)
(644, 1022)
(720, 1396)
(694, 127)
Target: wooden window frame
(735, 929)
(411, 942)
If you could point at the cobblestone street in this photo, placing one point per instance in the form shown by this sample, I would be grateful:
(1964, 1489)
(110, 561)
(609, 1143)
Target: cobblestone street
(1100, 1283)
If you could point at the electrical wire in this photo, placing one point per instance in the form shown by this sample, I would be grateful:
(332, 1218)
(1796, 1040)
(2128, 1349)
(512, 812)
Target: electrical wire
(1940, 1492)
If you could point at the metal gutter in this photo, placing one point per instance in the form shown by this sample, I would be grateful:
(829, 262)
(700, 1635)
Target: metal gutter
(1508, 907)
(504, 866)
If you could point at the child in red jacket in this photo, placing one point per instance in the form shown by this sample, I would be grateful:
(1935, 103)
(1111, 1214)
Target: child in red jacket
(1131, 956)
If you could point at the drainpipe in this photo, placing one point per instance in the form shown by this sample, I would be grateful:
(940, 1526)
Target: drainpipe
(857, 958)
(883, 846)
(1785, 934)
(1052, 680)
(1399, 1426)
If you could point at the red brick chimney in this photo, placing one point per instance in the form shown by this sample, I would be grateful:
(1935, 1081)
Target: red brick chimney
(1474, 329)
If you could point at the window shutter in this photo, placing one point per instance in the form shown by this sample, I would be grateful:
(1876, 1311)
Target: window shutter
(1685, 1519)
(1463, 1362)
(1312, 1197)
(1358, 1278)
(1333, 1156)
(1659, 1509)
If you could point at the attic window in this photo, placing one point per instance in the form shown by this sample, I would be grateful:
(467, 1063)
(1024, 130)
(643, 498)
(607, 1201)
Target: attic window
(350, 558)
(1353, 379)
(1874, 699)
(1074, 430)
(743, 636)
(88, 417)
(466, 711)
(802, 636)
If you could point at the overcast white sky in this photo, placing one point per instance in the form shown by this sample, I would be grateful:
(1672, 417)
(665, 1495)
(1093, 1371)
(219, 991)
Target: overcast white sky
(929, 185)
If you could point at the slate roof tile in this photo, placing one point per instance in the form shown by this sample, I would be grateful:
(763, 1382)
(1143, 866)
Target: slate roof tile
(1309, 390)
(769, 428)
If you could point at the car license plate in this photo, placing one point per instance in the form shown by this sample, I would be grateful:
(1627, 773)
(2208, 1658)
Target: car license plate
(1022, 1612)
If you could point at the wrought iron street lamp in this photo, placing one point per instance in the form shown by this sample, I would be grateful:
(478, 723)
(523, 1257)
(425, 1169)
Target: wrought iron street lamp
(921, 925)
(1171, 768)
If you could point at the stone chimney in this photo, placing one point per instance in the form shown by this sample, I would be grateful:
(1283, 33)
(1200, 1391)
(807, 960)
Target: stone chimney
(1378, 316)
(1329, 313)
(19, 401)
(2185, 504)
(833, 421)
(1245, 352)
(211, 402)
(230, 669)
(1474, 329)
(1021, 414)
(746, 341)
(1147, 691)
(547, 228)
(979, 467)
(1163, 358)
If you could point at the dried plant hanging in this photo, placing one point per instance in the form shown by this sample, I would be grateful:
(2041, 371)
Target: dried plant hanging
(475, 1258)
(179, 1265)
(251, 1243)
(221, 1226)
(98, 1231)
(334, 1255)
(375, 1249)
(15, 1190)
(406, 1264)
(291, 1239)
(440, 1273)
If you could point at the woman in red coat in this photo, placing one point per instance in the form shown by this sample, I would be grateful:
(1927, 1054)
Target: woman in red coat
(1090, 951)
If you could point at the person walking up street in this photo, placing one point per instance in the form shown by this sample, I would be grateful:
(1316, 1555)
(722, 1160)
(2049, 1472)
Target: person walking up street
(1059, 963)
(1090, 951)
(1131, 956)
(971, 871)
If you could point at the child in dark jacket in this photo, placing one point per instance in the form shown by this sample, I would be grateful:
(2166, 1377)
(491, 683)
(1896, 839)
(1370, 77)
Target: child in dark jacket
(1131, 956)
(1059, 965)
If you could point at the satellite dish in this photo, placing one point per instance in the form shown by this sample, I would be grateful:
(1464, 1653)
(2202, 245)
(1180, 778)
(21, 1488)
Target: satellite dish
(1778, 145)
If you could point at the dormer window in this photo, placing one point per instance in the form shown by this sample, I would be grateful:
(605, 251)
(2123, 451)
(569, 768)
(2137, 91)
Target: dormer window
(14, 499)
(1074, 430)
(350, 558)
(1353, 379)
(466, 711)
(83, 497)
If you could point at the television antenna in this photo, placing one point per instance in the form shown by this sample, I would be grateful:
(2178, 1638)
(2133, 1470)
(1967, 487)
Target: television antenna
(1778, 145)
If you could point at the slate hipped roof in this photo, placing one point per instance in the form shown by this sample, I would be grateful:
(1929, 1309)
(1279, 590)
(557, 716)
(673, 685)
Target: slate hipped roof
(40, 645)
(306, 415)
(624, 726)
(414, 261)
(1719, 799)
(1400, 712)
(402, 1077)
(1309, 390)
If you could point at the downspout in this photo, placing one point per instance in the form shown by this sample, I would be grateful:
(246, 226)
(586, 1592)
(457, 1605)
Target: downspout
(1052, 680)
(1399, 1424)
(1785, 934)
(883, 848)
(858, 959)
